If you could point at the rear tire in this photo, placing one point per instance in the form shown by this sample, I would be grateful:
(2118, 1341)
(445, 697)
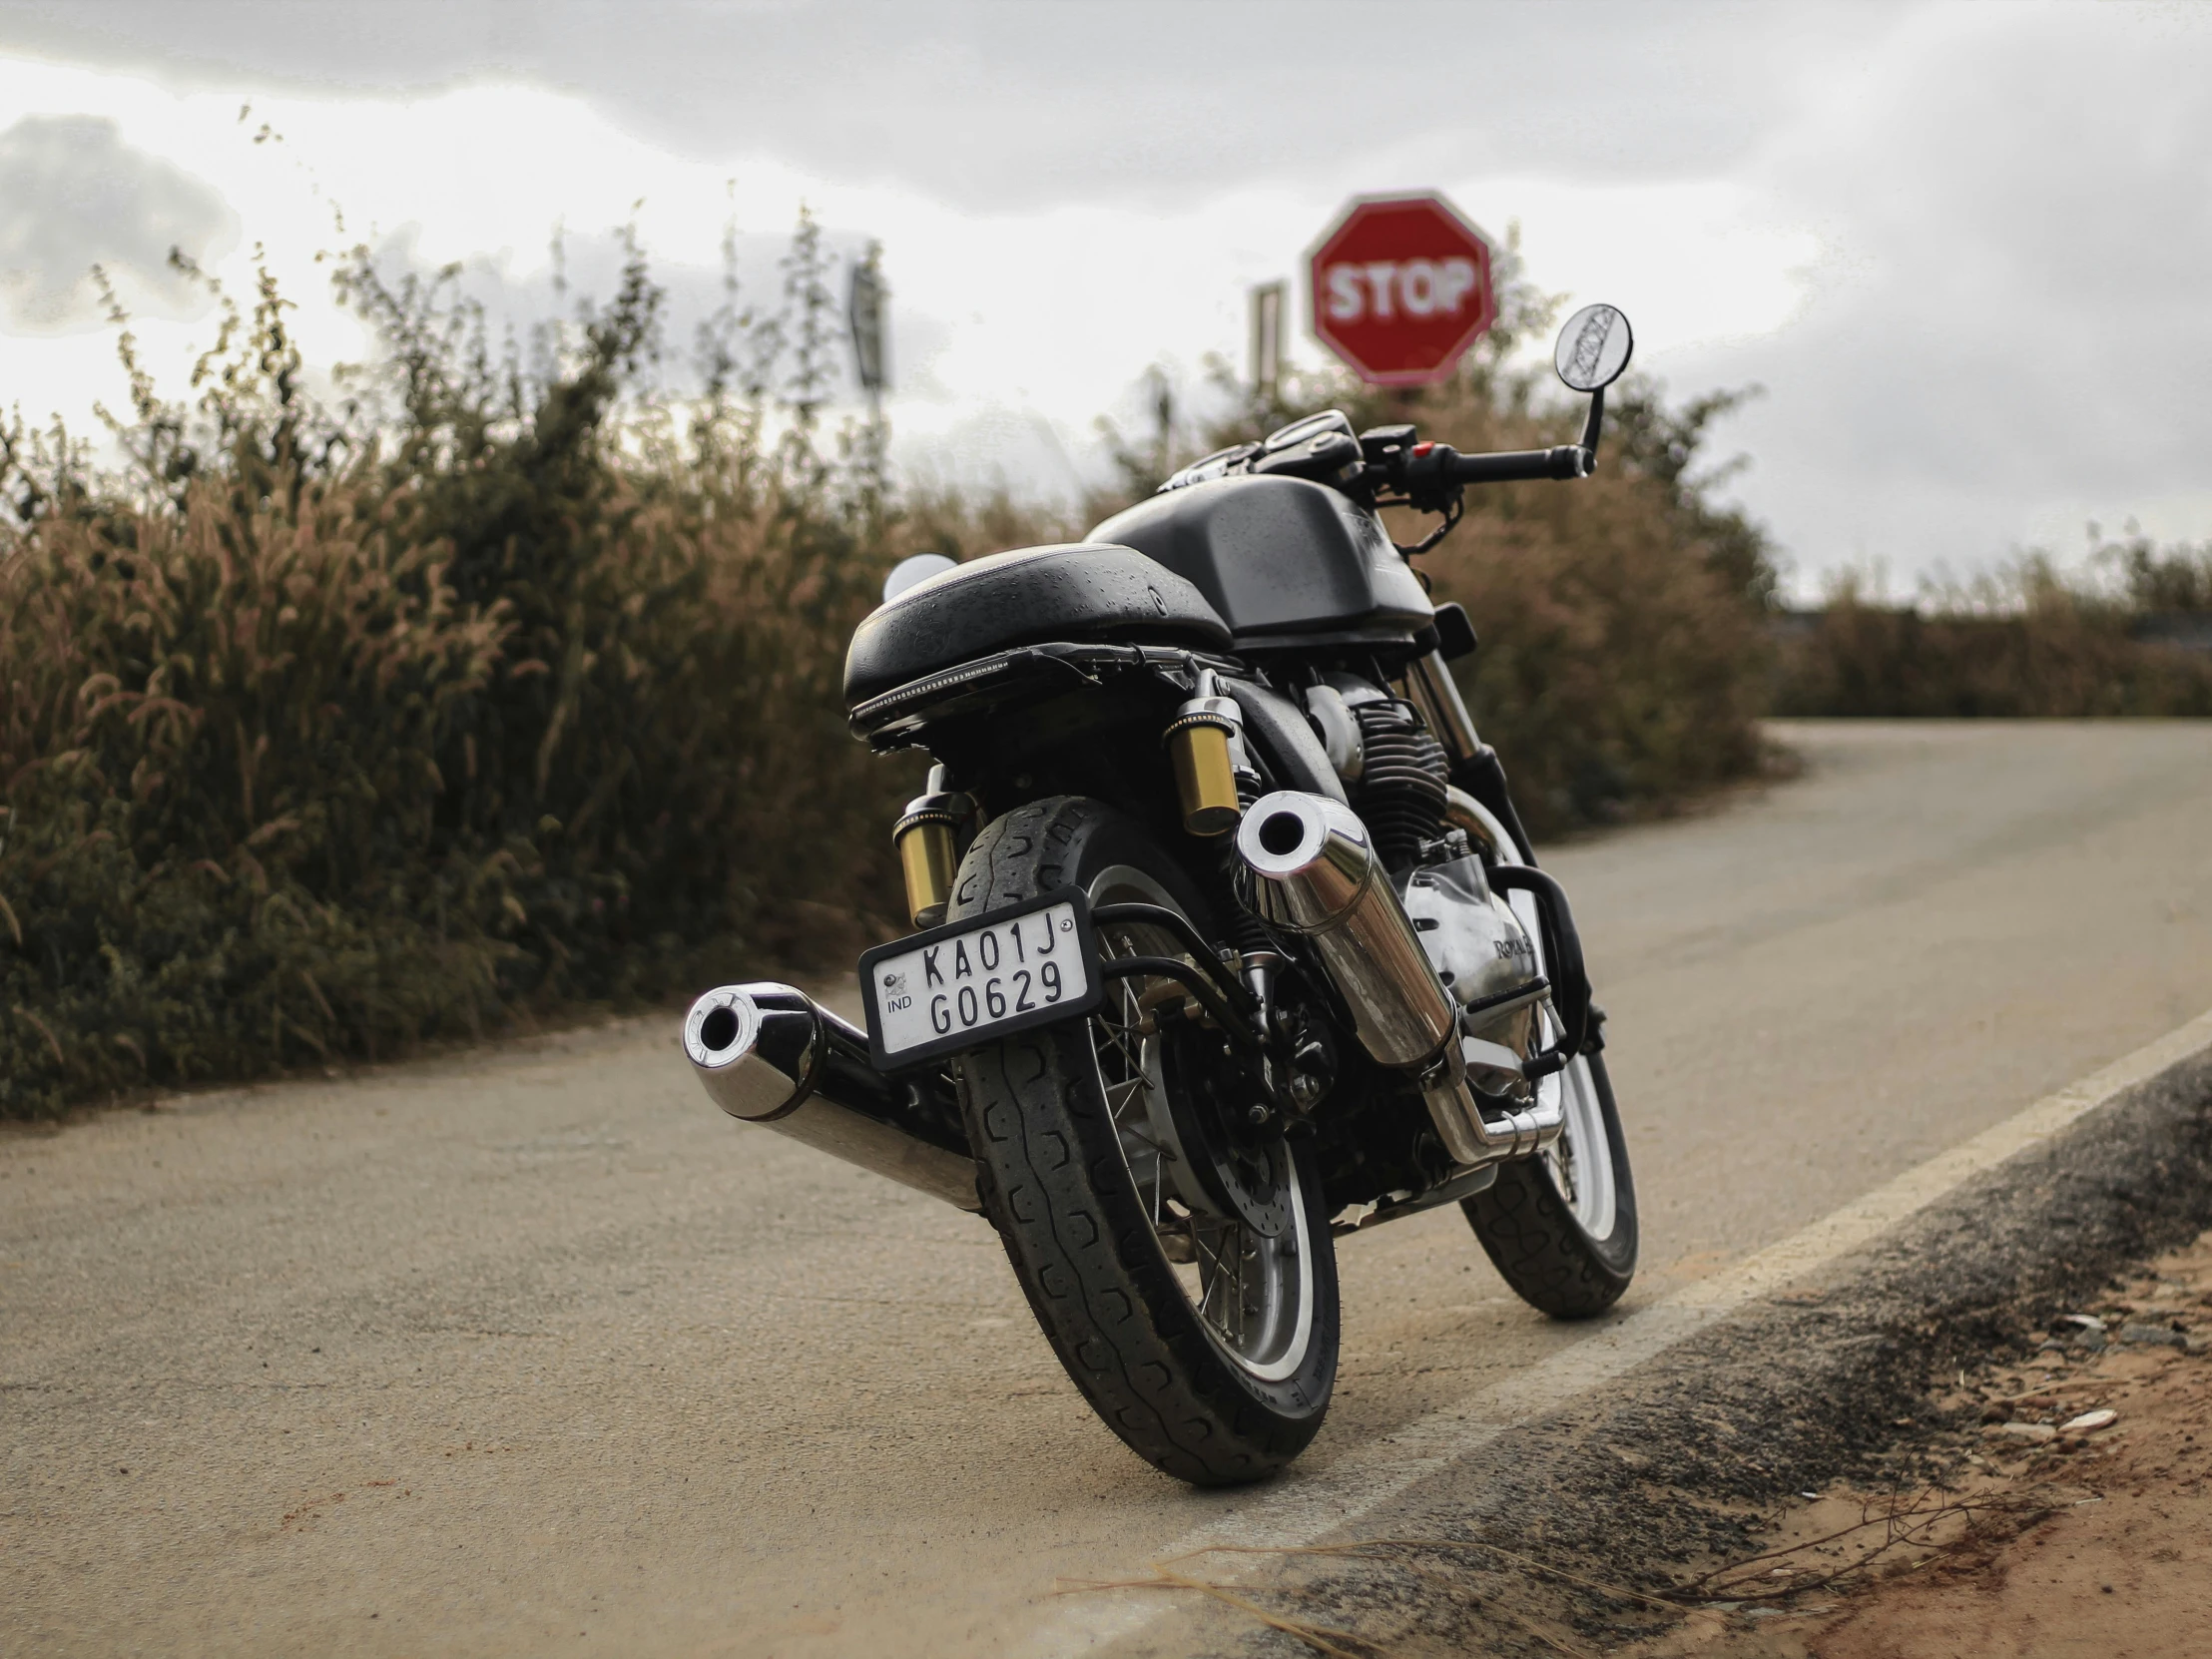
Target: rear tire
(1084, 1202)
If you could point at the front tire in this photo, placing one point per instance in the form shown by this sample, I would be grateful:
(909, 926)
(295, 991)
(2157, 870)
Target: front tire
(1560, 1228)
(1216, 1366)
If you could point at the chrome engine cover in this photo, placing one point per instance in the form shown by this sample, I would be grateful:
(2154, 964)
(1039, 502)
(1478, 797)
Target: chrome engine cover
(1478, 948)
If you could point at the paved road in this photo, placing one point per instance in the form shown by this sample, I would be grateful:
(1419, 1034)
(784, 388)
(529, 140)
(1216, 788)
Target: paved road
(533, 1350)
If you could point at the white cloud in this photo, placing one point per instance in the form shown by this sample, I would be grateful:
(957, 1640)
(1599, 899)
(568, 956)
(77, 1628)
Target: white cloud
(1961, 247)
(78, 204)
(2005, 335)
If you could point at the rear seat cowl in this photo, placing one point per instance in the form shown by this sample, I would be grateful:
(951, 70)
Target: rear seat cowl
(1076, 591)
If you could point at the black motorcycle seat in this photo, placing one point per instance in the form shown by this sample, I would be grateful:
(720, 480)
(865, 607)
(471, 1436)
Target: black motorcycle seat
(1080, 591)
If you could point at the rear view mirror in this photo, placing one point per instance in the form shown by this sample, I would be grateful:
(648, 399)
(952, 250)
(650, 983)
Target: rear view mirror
(1594, 347)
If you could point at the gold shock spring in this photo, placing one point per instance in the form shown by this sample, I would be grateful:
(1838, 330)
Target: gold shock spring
(1200, 742)
(927, 838)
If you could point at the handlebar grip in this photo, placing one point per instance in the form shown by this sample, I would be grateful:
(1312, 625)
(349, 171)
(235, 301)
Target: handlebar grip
(1566, 460)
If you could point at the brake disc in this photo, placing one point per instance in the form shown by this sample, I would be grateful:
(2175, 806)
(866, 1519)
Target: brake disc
(1241, 1174)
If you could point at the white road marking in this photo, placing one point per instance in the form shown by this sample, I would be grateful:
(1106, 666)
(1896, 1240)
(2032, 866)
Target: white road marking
(1303, 1509)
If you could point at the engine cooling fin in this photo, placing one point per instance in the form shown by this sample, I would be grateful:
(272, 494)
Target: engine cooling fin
(1403, 783)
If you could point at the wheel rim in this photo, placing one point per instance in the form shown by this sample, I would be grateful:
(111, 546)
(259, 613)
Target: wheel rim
(1253, 1294)
(1580, 1161)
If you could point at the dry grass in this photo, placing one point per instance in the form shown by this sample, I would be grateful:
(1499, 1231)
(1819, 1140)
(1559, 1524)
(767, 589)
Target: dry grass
(513, 686)
(2023, 642)
(320, 737)
(1900, 1530)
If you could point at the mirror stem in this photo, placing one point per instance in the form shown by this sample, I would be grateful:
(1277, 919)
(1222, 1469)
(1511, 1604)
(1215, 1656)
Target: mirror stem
(1590, 425)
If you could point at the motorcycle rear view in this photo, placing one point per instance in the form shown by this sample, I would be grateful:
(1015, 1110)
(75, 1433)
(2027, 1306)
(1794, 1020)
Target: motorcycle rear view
(1229, 944)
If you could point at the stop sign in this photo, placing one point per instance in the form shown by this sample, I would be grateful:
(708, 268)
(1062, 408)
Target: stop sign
(1402, 288)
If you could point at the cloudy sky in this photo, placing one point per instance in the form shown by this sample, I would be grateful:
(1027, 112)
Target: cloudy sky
(1964, 248)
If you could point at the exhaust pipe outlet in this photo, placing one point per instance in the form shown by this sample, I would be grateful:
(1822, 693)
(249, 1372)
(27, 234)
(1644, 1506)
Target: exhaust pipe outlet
(1314, 874)
(772, 1056)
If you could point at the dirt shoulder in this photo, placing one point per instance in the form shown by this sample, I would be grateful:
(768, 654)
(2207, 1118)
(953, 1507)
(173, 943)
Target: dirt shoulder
(1815, 1476)
(2074, 1517)
(2054, 1500)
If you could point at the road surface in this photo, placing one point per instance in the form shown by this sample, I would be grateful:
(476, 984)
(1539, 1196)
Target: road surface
(533, 1350)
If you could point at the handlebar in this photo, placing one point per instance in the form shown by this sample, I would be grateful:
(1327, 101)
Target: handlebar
(1386, 465)
(1428, 474)
(1564, 461)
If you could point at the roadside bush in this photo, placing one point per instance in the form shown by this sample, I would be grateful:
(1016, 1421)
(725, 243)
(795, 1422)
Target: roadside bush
(511, 684)
(222, 734)
(502, 690)
(2028, 641)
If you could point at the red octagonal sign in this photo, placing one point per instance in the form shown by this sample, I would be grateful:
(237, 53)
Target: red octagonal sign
(1400, 288)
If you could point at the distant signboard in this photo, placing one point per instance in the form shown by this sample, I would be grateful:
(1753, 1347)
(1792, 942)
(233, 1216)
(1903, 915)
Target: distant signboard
(865, 301)
(1400, 288)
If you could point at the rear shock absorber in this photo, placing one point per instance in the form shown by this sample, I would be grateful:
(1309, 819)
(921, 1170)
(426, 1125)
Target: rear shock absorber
(1205, 743)
(927, 838)
(1216, 781)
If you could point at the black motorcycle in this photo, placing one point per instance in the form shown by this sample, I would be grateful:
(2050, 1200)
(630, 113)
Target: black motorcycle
(1230, 941)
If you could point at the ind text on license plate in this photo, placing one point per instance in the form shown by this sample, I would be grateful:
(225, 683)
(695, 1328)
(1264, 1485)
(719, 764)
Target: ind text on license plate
(972, 981)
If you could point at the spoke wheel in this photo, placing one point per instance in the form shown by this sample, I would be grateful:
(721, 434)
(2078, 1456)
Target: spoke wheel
(1578, 1163)
(1235, 1232)
(1194, 1304)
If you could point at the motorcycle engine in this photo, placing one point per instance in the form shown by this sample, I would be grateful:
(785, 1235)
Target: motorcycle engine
(1393, 766)
(1396, 776)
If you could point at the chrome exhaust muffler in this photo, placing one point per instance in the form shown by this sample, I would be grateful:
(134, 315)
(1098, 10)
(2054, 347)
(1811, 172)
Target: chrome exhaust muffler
(1314, 874)
(772, 1056)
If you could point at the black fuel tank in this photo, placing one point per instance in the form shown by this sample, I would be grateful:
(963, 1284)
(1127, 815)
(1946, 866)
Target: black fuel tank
(1279, 557)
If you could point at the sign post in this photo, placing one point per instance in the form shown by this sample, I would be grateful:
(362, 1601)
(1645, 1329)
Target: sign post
(865, 297)
(867, 309)
(1400, 287)
(1266, 337)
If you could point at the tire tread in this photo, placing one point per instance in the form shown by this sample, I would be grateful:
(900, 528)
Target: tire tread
(1538, 1248)
(1051, 1174)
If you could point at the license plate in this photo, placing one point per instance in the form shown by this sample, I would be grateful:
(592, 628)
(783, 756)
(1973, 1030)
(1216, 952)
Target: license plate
(984, 979)
(973, 981)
